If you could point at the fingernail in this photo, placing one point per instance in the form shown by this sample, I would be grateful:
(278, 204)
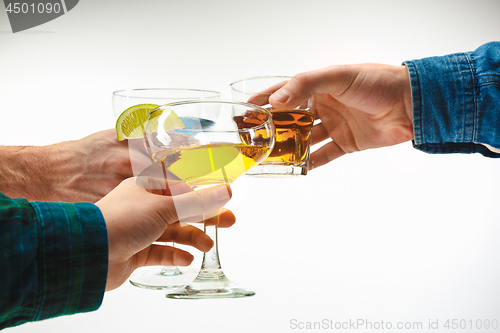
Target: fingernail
(223, 193)
(281, 96)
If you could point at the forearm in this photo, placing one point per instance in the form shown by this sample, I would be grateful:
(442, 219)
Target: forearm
(70, 171)
(33, 172)
(18, 176)
(54, 259)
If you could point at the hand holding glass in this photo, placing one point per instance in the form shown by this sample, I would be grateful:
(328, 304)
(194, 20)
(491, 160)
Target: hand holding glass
(228, 140)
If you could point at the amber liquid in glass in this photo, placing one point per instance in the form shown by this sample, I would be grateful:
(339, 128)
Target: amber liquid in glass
(293, 135)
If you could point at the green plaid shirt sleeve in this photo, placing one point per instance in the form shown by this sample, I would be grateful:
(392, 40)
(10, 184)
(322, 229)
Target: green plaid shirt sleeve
(53, 259)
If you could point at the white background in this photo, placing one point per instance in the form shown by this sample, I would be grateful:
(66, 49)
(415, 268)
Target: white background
(390, 234)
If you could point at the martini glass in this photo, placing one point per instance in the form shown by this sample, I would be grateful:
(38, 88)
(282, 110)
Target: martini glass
(157, 277)
(123, 99)
(229, 139)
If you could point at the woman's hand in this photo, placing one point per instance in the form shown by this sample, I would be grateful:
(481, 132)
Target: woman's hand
(360, 107)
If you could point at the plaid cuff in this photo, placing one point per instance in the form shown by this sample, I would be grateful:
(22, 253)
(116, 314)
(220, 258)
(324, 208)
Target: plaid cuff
(72, 256)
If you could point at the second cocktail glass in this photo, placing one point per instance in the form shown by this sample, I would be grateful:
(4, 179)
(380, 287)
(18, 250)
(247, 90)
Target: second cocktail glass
(159, 277)
(228, 140)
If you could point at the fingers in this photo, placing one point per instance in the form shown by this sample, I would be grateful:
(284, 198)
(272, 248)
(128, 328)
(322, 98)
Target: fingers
(160, 185)
(319, 134)
(213, 220)
(333, 80)
(185, 211)
(259, 99)
(164, 256)
(226, 218)
(186, 234)
(262, 98)
(325, 154)
(194, 204)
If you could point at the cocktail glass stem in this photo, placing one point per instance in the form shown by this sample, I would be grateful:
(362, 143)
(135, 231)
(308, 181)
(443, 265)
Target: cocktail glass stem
(211, 281)
(210, 267)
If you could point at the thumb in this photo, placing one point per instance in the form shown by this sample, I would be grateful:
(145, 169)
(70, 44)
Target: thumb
(332, 80)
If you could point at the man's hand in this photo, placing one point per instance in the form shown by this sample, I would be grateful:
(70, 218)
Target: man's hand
(71, 171)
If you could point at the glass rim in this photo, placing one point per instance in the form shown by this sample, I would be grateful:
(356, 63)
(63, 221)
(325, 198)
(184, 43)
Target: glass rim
(269, 121)
(232, 85)
(121, 93)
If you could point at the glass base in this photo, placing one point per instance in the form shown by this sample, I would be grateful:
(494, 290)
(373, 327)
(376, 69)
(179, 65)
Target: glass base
(162, 277)
(276, 171)
(210, 284)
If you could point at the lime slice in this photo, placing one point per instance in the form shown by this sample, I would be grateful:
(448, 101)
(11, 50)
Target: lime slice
(170, 120)
(130, 123)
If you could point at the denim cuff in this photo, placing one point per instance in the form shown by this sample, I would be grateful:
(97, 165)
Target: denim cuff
(454, 109)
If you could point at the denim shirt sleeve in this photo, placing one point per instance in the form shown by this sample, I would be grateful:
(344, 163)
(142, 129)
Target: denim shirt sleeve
(456, 102)
(54, 259)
